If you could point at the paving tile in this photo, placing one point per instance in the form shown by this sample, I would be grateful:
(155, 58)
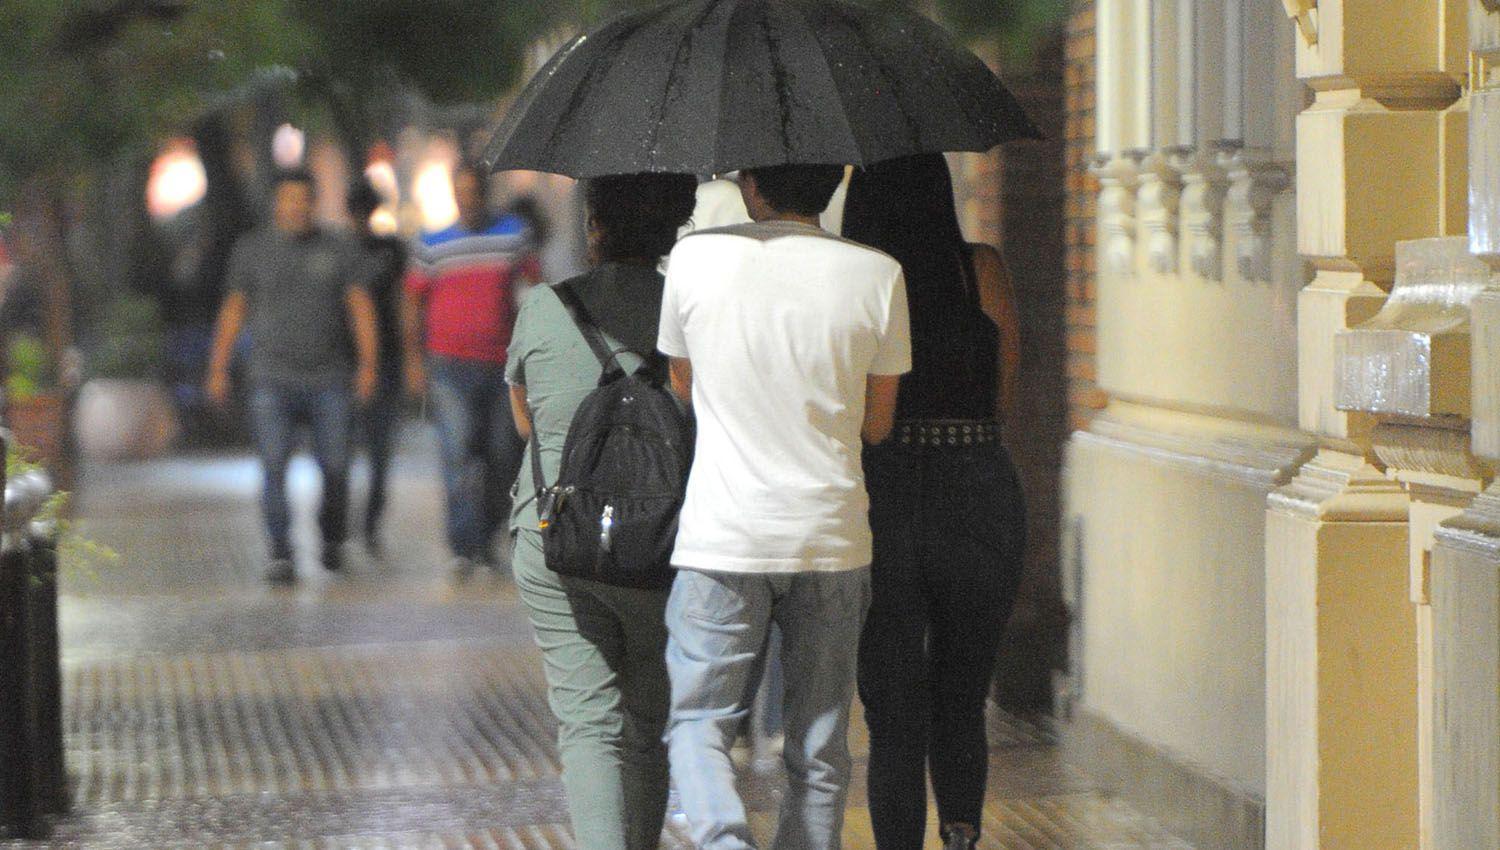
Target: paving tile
(381, 708)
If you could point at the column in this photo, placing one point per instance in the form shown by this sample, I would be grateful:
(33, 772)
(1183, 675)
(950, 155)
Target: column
(1465, 576)
(1376, 164)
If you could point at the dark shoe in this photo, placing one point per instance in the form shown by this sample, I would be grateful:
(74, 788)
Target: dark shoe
(333, 557)
(373, 544)
(959, 836)
(281, 571)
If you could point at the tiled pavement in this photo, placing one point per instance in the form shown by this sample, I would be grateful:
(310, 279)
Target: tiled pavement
(379, 708)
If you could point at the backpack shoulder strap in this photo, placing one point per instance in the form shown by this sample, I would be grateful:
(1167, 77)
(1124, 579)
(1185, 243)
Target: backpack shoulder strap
(608, 362)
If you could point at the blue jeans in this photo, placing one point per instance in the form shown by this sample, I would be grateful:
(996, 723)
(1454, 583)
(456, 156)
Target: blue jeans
(950, 528)
(480, 447)
(277, 410)
(717, 625)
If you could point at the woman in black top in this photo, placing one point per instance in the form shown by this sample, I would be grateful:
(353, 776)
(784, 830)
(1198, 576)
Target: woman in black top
(945, 508)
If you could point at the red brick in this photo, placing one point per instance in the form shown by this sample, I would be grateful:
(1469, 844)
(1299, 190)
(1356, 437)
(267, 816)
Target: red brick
(1079, 316)
(1088, 396)
(1082, 368)
(1082, 341)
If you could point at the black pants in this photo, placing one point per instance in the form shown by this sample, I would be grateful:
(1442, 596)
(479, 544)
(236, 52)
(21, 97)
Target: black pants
(949, 527)
(382, 418)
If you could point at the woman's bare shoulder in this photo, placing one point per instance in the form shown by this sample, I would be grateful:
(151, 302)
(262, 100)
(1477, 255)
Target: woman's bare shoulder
(986, 257)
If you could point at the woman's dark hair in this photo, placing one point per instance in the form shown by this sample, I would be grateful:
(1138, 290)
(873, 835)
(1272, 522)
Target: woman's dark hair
(799, 189)
(363, 199)
(905, 208)
(638, 215)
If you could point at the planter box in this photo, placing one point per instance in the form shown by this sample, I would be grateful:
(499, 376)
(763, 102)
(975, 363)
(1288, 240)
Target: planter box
(124, 420)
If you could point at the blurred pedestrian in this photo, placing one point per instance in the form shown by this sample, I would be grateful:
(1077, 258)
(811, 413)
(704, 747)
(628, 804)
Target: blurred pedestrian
(945, 507)
(385, 256)
(602, 645)
(788, 341)
(300, 291)
(459, 311)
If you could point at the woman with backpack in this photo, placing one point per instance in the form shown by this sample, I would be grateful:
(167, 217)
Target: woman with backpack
(946, 510)
(603, 644)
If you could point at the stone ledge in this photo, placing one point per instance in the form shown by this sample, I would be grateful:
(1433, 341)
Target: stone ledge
(1206, 810)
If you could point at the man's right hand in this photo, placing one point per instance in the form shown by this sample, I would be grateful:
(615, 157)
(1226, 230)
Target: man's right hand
(217, 386)
(416, 377)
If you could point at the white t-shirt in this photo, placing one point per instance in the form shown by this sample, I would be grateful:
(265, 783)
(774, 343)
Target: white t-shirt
(783, 323)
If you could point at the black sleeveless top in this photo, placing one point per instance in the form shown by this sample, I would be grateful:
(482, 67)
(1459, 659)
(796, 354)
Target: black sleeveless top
(955, 352)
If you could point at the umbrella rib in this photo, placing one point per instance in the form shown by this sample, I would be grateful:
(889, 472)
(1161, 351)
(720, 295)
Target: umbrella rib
(683, 46)
(833, 84)
(778, 79)
(924, 30)
(597, 68)
(892, 82)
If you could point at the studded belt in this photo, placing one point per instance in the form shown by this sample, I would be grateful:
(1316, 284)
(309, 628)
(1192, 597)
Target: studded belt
(944, 433)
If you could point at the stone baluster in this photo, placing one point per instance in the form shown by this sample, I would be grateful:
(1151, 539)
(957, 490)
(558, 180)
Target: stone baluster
(1158, 195)
(1202, 209)
(1254, 183)
(1118, 176)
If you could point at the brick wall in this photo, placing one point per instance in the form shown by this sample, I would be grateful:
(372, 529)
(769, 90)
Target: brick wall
(1084, 396)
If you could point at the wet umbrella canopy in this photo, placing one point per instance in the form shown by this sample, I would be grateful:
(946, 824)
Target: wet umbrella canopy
(709, 86)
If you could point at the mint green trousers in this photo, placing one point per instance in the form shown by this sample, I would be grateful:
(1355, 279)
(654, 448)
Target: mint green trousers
(603, 650)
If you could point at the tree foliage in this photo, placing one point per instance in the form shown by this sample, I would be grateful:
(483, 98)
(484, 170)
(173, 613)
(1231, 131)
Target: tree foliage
(83, 81)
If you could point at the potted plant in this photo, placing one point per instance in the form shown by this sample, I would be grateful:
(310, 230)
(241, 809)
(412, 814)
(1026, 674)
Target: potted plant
(124, 410)
(35, 406)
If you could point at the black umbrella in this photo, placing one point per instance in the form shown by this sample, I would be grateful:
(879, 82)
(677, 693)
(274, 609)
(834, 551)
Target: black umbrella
(709, 86)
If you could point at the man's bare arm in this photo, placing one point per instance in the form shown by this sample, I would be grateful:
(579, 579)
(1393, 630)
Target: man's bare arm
(412, 343)
(226, 333)
(362, 321)
(682, 379)
(880, 407)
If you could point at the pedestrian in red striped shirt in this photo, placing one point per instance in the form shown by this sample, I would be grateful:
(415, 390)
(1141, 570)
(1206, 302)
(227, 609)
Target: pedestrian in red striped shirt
(460, 307)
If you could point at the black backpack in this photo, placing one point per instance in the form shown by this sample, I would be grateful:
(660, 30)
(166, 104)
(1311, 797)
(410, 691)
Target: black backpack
(612, 514)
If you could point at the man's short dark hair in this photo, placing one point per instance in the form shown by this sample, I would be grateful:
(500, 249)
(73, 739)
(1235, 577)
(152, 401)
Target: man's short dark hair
(798, 189)
(293, 175)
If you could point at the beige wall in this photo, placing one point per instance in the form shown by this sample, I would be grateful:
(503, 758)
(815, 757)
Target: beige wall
(1197, 285)
(1171, 647)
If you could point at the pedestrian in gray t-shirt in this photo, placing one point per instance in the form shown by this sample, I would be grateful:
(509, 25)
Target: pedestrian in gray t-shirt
(300, 293)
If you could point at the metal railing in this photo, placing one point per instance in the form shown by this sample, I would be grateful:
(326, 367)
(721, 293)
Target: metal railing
(33, 778)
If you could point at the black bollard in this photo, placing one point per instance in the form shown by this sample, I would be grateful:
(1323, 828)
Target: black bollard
(20, 810)
(46, 675)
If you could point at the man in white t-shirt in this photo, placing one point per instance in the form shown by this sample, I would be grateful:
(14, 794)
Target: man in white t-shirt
(789, 342)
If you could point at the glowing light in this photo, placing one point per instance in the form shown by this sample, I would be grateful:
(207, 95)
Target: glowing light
(288, 146)
(177, 180)
(383, 222)
(433, 190)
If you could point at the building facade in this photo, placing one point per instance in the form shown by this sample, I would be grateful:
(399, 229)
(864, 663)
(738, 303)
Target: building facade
(1281, 545)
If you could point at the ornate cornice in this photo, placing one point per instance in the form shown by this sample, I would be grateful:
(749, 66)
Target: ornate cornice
(1412, 358)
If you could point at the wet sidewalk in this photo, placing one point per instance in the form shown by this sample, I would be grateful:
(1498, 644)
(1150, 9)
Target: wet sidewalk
(381, 707)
